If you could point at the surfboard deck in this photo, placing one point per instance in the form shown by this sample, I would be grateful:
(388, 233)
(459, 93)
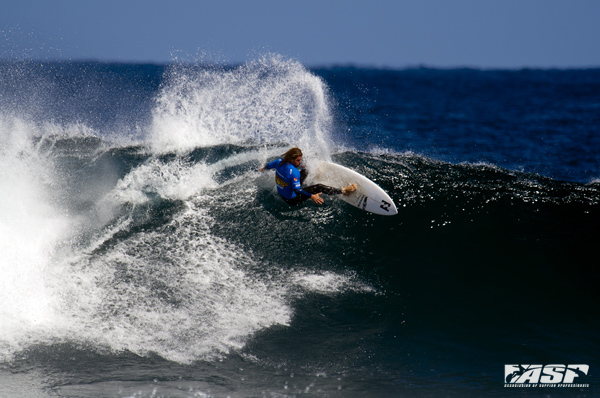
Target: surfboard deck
(368, 196)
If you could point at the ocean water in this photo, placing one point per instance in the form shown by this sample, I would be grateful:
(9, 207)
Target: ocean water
(143, 255)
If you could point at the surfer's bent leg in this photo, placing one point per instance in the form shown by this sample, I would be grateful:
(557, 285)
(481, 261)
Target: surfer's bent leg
(320, 188)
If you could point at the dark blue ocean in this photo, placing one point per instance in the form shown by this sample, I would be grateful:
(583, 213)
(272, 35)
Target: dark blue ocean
(142, 254)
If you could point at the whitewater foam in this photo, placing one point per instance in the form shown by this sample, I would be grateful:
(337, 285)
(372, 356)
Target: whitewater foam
(31, 227)
(180, 295)
(172, 180)
(328, 282)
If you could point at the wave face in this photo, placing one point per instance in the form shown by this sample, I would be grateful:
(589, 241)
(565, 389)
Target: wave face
(138, 239)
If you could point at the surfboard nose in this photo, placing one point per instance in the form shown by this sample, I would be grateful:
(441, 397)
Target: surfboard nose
(388, 207)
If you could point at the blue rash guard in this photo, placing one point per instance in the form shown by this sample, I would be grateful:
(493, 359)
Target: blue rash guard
(287, 178)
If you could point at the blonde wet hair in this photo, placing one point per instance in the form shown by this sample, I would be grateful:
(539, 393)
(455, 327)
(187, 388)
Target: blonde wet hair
(291, 155)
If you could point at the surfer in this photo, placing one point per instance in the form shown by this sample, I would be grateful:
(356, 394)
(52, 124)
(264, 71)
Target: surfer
(289, 180)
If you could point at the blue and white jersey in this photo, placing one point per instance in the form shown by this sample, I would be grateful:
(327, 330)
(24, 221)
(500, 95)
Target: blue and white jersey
(287, 178)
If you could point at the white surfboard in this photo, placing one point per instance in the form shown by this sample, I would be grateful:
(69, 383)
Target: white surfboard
(368, 196)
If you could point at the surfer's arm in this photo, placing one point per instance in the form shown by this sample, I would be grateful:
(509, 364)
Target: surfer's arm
(315, 197)
(271, 165)
(303, 193)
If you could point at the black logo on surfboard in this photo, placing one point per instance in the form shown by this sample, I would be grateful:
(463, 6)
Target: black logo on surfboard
(361, 203)
(385, 205)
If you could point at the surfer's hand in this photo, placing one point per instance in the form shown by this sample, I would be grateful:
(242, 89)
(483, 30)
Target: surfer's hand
(261, 169)
(317, 199)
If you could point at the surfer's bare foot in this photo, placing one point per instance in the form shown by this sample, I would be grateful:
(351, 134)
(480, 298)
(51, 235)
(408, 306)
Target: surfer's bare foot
(349, 189)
